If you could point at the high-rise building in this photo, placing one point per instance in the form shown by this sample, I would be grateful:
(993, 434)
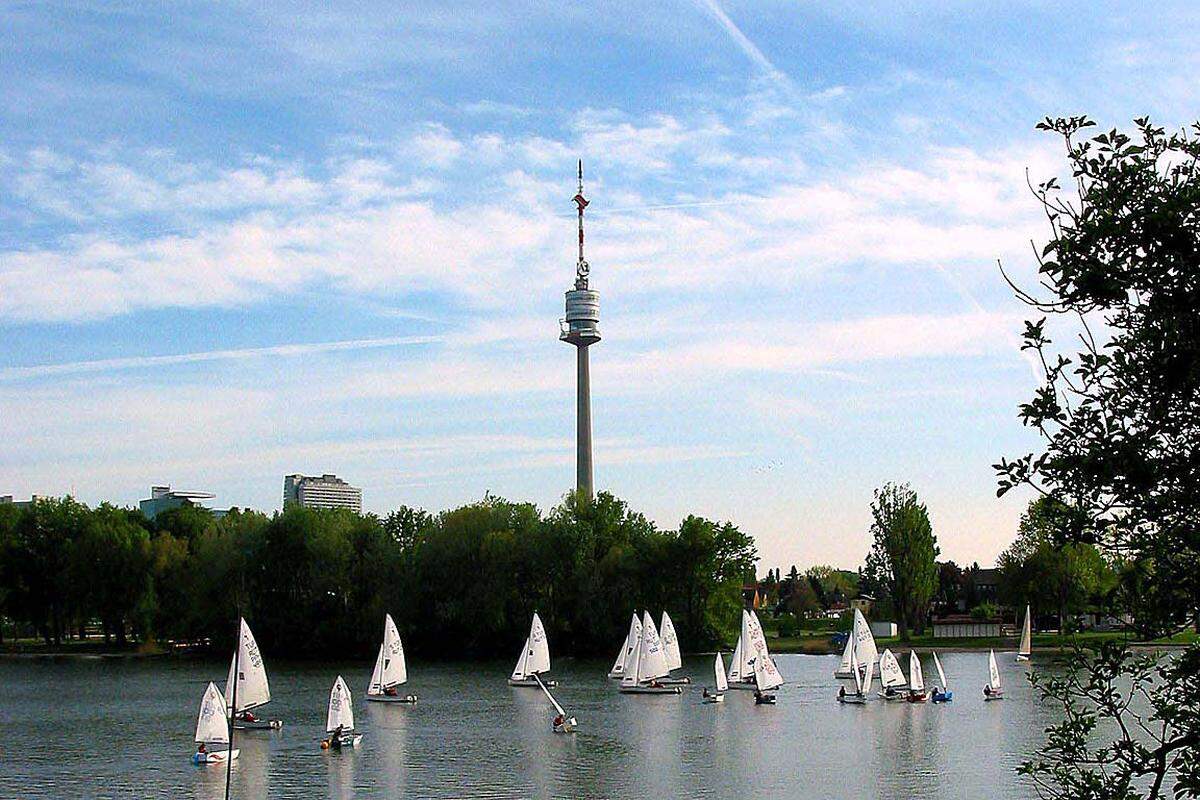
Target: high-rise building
(581, 327)
(326, 491)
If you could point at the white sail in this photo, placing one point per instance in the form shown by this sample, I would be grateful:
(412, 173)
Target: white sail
(735, 663)
(341, 707)
(652, 661)
(993, 671)
(252, 687)
(630, 676)
(870, 674)
(847, 653)
(519, 672)
(390, 669)
(766, 674)
(719, 674)
(864, 642)
(627, 648)
(1026, 637)
(670, 643)
(858, 679)
(539, 648)
(916, 678)
(941, 675)
(212, 726)
(890, 674)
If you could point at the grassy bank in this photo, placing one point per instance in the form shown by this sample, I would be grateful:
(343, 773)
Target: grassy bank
(820, 643)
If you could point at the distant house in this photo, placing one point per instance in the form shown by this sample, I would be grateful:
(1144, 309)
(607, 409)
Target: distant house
(964, 626)
(163, 498)
(981, 586)
(863, 603)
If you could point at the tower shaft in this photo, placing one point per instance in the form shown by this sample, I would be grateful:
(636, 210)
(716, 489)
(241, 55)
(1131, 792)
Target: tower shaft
(583, 422)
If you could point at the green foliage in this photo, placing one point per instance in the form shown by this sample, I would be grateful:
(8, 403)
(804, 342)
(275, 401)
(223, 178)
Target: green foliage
(1046, 569)
(985, 611)
(902, 564)
(1152, 705)
(316, 582)
(787, 625)
(1120, 424)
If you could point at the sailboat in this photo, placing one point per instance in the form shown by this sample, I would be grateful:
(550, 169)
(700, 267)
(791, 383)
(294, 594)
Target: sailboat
(390, 669)
(339, 723)
(648, 665)
(891, 677)
(859, 695)
(751, 648)
(945, 695)
(534, 658)
(916, 679)
(626, 652)
(860, 639)
(722, 683)
(562, 723)
(1026, 647)
(670, 641)
(766, 678)
(994, 690)
(253, 690)
(212, 727)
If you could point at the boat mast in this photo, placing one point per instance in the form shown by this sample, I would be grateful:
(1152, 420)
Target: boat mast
(237, 651)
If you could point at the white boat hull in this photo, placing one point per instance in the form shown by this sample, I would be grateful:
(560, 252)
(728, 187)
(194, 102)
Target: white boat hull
(715, 698)
(748, 685)
(258, 725)
(675, 681)
(392, 698)
(852, 699)
(214, 757)
(347, 740)
(531, 683)
(1021, 658)
(994, 696)
(895, 697)
(651, 690)
(616, 675)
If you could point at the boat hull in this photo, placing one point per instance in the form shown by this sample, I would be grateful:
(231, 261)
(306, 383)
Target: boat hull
(651, 690)
(214, 757)
(764, 700)
(531, 683)
(943, 698)
(567, 726)
(852, 699)
(348, 740)
(387, 698)
(258, 725)
(895, 697)
(916, 697)
(1021, 658)
(715, 698)
(747, 685)
(616, 675)
(675, 681)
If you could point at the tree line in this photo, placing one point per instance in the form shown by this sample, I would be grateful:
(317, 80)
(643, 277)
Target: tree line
(317, 582)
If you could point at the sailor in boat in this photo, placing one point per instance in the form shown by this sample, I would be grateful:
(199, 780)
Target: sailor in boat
(988, 692)
(559, 720)
(706, 694)
(335, 739)
(841, 693)
(201, 749)
(391, 691)
(889, 692)
(761, 698)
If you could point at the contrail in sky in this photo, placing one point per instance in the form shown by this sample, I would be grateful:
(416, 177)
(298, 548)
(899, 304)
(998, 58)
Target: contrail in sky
(745, 45)
(141, 362)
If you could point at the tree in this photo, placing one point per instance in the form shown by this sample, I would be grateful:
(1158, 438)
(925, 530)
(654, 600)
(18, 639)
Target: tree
(1119, 420)
(950, 585)
(903, 558)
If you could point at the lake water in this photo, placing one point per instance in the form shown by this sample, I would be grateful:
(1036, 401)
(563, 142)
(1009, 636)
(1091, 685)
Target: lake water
(123, 728)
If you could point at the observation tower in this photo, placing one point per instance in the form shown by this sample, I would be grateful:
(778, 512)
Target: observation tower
(581, 328)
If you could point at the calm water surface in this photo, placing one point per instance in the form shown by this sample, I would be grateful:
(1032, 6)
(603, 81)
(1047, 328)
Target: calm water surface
(123, 728)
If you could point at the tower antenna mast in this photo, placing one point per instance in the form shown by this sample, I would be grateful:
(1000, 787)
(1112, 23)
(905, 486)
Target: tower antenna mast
(581, 268)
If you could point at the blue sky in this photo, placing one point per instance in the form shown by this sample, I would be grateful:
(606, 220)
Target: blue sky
(239, 240)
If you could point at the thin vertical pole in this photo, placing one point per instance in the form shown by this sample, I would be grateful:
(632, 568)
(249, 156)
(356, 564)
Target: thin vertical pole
(237, 651)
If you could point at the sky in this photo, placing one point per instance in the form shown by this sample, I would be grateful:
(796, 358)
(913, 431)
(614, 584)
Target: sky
(241, 240)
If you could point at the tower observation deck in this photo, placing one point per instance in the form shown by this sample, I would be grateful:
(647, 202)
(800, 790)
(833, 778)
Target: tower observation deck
(581, 327)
